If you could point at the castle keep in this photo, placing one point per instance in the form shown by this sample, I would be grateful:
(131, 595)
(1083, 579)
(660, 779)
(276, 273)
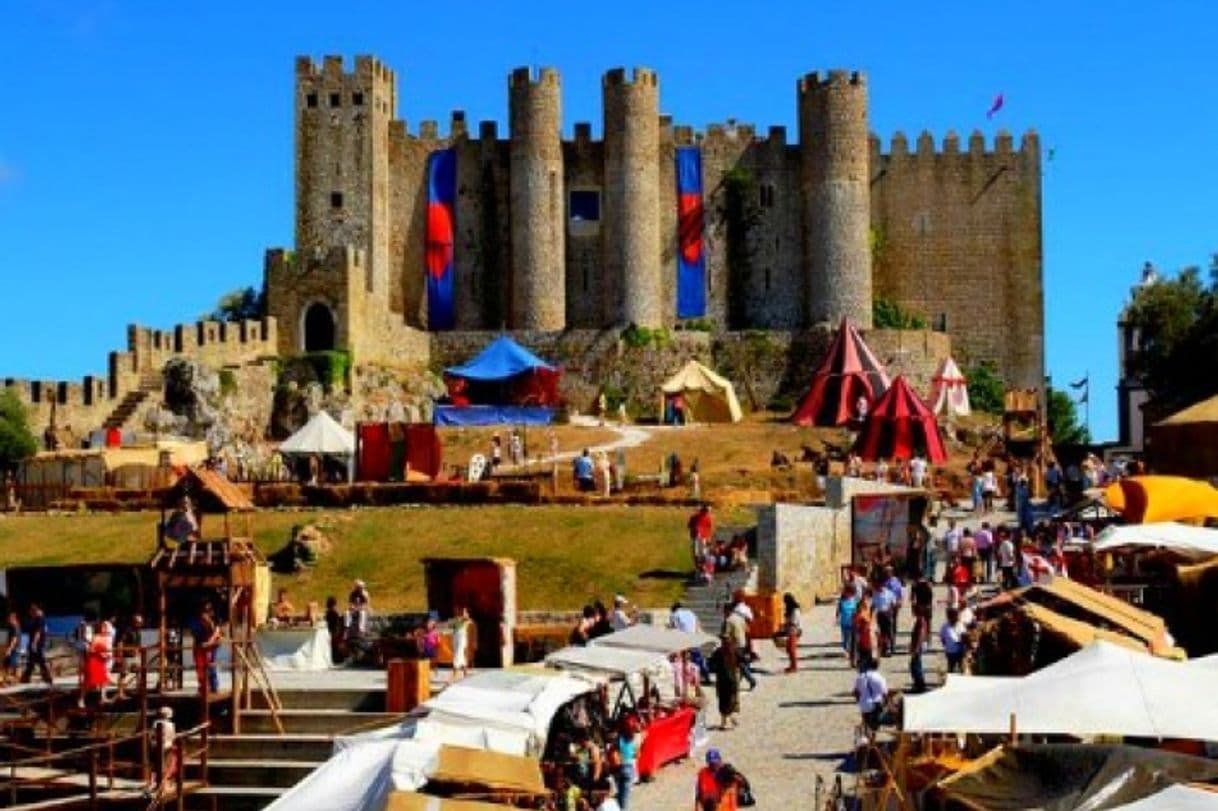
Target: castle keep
(555, 234)
(566, 241)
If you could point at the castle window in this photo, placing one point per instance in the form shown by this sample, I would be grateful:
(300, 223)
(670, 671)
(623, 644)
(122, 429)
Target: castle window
(585, 205)
(765, 195)
(311, 100)
(335, 99)
(357, 99)
(336, 199)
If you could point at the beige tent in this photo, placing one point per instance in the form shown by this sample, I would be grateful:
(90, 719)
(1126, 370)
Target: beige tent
(1186, 443)
(708, 397)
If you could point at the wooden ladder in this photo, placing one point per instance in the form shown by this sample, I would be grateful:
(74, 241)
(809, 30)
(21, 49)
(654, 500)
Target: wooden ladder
(254, 668)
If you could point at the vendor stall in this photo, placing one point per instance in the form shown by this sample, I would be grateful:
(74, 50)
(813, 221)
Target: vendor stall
(505, 384)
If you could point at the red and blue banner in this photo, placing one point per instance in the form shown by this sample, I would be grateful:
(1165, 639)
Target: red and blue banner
(441, 235)
(691, 252)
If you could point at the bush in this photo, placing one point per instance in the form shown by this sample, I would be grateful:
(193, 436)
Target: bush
(17, 443)
(642, 337)
(887, 314)
(985, 387)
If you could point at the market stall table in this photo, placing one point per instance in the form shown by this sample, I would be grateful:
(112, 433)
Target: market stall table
(303, 647)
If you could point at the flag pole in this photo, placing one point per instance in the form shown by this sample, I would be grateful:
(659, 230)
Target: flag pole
(1087, 391)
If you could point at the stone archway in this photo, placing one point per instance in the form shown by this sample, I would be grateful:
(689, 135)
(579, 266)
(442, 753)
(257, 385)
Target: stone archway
(317, 328)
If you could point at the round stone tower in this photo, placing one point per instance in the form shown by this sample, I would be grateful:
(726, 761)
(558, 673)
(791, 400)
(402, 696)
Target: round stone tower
(634, 289)
(538, 289)
(835, 187)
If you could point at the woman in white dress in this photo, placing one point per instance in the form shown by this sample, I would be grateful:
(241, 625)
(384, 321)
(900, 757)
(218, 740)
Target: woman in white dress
(461, 628)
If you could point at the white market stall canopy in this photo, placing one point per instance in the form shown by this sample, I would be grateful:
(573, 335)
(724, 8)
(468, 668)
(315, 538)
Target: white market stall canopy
(1191, 542)
(321, 435)
(1141, 696)
(949, 390)
(654, 638)
(608, 661)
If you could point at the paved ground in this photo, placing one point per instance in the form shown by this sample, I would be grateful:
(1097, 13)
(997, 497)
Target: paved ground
(793, 727)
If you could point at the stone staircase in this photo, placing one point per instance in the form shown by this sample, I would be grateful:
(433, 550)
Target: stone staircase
(150, 383)
(249, 771)
(706, 600)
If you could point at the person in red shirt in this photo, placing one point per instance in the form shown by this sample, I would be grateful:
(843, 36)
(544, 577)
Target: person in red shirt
(712, 792)
(701, 529)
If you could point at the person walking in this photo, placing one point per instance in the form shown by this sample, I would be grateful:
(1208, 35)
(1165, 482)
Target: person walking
(871, 692)
(629, 740)
(918, 638)
(36, 646)
(736, 626)
(725, 664)
(983, 539)
(847, 604)
(716, 787)
(12, 649)
(701, 527)
(206, 634)
(882, 601)
(864, 631)
(793, 626)
(1006, 562)
(951, 636)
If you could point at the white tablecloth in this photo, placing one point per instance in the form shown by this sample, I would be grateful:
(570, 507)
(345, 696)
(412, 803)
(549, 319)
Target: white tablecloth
(295, 648)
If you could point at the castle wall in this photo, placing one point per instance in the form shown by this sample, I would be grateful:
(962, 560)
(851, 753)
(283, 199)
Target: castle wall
(958, 237)
(407, 223)
(587, 287)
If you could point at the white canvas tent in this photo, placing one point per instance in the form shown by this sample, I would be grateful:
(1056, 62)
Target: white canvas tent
(495, 710)
(1196, 543)
(321, 435)
(1141, 695)
(709, 397)
(654, 638)
(949, 390)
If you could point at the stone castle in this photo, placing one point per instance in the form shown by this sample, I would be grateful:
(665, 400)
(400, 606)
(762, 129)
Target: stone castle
(566, 240)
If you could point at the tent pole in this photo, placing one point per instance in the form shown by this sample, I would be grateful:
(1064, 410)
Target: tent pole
(1013, 731)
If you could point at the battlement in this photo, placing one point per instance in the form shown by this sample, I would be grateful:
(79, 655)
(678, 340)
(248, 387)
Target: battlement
(1003, 144)
(333, 67)
(89, 391)
(616, 77)
(833, 78)
(528, 77)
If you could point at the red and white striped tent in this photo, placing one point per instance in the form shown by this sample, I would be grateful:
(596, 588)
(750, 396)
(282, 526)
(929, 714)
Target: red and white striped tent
(848, 371)
(949, 390)
(900, 426)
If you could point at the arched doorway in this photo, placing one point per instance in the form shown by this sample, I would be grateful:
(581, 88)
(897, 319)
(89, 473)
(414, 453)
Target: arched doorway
(318, 328)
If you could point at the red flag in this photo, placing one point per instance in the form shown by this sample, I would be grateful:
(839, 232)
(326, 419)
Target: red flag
(995, 107)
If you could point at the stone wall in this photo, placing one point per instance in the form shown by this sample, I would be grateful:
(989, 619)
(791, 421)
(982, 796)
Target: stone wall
(957, 236)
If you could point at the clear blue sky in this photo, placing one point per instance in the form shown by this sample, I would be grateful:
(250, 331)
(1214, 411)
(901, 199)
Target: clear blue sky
(146, 148)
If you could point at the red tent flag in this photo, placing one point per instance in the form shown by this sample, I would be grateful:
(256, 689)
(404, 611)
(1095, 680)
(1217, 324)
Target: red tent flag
(899, 426)
(848, 371)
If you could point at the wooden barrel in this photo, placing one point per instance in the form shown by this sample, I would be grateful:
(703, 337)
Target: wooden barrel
(408, 684)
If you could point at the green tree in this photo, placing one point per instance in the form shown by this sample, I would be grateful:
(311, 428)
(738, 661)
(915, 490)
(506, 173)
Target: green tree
(985, 387)
(239, 305)
(887, 314)
(1064, 427)
(1177, 325)
(16, 440)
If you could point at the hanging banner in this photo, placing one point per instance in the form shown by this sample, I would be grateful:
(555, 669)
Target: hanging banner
(441, 234)
(691, 258)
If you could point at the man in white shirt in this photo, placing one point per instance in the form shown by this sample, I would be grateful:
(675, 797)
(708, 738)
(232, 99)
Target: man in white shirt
(951, 635)
(1006, 562)
(871, 691)
(882, 603)
(682, 619)
(917, 470)
(620, 620)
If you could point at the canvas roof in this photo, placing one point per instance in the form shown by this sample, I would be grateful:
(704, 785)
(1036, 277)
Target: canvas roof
(1095, 605)
(1204, 411)
(608, 660)
(697, 380)
(949, 390)
(1196, 543)
(1141, 696)
(899, 425)
(320, 435)
(1150, 499)
(503, 358)
(654, 638)
(212, 489)
(848, 370)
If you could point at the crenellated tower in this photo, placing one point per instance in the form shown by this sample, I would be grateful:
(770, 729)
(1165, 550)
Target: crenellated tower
(834, 185)
(631, 235)
(342, 160)
(538, 286)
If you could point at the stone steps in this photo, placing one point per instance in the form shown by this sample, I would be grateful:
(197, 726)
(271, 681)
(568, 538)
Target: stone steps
(233, 798)
(350, 699)
(300, 747)
(264, 773)
(315, 721)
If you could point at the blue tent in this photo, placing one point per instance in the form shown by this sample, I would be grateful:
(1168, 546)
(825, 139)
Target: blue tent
(503, 359)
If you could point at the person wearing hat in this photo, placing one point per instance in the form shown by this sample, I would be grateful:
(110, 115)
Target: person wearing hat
(715, 789)
(359, 606)
(621, 618)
